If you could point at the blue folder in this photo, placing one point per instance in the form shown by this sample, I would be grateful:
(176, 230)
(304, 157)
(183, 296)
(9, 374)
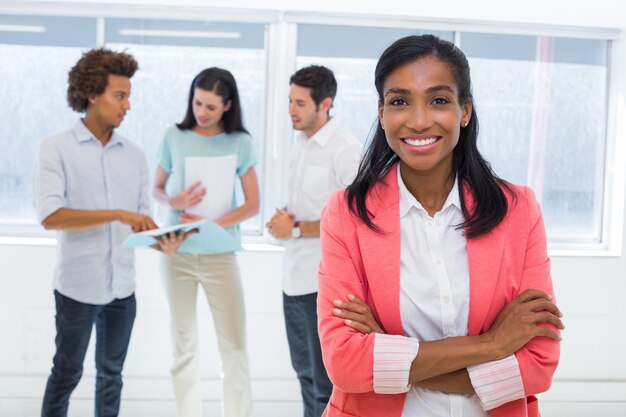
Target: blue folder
(212, 238)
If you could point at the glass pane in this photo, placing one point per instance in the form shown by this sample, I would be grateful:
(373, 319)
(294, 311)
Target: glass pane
(353, 61)
(543, 123)
(34, 105)
(161, 86)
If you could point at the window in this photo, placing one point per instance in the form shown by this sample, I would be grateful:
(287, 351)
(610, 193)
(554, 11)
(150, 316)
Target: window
(541, 102)
(37, 53)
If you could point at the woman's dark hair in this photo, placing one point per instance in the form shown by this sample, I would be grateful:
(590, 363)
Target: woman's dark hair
(490, 203)
(222, 83)
(90, 76)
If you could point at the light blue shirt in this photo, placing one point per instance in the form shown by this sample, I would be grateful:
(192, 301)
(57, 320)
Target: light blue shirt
(73, 170)
(179, 144)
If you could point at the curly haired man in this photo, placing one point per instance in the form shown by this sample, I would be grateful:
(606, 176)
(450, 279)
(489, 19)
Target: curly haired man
(91, 185)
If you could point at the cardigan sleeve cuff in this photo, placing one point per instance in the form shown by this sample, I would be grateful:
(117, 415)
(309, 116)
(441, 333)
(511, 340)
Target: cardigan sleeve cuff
(497, 382)
(393, 356)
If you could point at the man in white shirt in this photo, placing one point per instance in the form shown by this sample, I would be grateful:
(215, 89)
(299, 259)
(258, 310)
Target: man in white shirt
(325, 158)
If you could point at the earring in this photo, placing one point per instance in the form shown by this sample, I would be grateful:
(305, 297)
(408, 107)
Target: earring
(464, 124)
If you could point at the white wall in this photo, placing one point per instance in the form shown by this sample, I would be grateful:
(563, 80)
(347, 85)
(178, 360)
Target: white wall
(591, 291)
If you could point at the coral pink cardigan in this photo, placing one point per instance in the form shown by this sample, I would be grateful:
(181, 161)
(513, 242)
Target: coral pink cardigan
(356, 260)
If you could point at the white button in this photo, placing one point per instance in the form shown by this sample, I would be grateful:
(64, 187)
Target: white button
(456, 413)
(445, 299)
(437, 223)
(437, 261)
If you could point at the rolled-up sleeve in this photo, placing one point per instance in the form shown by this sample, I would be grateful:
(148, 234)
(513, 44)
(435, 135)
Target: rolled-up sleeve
(393, 356)
(497, 382)
(48, 180)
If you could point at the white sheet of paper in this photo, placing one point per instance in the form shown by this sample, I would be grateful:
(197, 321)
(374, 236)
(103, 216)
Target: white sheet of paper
(217, 174)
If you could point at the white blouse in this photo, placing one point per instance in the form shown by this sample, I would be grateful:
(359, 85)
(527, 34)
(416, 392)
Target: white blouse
(434, 305)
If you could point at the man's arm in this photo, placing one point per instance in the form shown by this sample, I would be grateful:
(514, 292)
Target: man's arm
(49, 182)
(75, 220)
(310, 228)
(283, 222)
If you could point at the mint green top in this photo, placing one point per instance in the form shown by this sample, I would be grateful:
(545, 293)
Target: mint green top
(179, 144)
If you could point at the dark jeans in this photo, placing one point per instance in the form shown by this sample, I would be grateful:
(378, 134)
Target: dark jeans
(306, 353)
(74, 321)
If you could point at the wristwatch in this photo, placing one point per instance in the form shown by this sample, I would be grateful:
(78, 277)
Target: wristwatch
(295, 232)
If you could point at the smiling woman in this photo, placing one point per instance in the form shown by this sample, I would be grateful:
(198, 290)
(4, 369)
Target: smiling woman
(422, 122)
(460, 300)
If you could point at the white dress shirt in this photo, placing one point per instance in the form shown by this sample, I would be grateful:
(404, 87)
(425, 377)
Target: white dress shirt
(321, 164)
(434, 305)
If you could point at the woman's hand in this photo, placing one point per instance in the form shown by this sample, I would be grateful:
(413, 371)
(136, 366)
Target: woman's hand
(188, 197)
(170, 242)
(357, 314)
(521, 320)
(189, 218)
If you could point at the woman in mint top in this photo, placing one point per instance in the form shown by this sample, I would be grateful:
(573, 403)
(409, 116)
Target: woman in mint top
(212, 127)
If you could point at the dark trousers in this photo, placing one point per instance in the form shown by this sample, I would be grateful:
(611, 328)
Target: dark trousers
(306, 353)
(74, 321)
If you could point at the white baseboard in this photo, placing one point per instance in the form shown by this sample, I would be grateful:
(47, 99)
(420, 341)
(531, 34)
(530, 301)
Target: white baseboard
(20, 396)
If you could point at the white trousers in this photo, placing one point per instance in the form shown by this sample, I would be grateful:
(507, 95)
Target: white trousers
(218, 275)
